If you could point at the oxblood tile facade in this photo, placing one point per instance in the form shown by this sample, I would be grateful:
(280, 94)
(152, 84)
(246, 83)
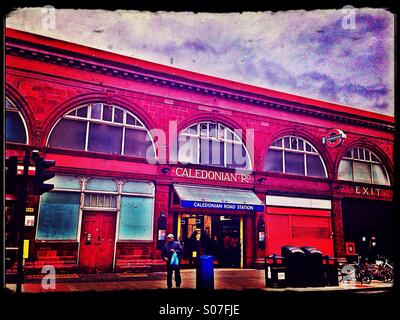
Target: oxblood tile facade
(46, 78)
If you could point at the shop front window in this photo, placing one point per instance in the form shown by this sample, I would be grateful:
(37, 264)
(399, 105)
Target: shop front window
(15, 125)
(294, 155)
(362, 165)
(212, 144)
(103, 128)
(71, 197)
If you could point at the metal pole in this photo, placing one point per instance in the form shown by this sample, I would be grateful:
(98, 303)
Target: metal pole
(21, 207)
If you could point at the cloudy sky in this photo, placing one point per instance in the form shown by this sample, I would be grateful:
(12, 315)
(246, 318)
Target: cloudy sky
(305, 53)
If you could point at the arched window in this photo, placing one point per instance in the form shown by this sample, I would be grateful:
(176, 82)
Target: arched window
(362, 165)
(104, 128)
(291, 154)
(214, 144)
(15, 125)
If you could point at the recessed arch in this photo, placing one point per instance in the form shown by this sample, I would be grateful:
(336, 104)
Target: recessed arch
(213, 143)
(102, 127)
(363, 162)
(211, 116)
(87, 98)
(293, 154)
(15, 124)
(302, 134)
(15, 102)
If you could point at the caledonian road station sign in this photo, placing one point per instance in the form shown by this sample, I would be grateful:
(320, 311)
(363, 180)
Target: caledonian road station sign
(212, 175)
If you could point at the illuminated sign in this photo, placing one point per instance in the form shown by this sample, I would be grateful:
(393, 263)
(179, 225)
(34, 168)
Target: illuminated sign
(335, 138)
(221, 206)
(212, 175)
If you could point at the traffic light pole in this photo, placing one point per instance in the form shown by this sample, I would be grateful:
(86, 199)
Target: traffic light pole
(21, 208)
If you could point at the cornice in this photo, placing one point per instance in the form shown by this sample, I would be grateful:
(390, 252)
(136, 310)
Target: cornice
(28, 50)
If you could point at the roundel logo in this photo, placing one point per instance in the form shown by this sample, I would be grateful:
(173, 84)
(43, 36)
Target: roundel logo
(335, 138)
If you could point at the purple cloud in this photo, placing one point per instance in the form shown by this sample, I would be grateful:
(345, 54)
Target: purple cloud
(299, 52)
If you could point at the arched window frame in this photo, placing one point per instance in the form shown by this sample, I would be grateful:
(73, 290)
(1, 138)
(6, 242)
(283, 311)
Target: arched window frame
(10, 106)
(202, 130)
(135, 123)
(364, 155)
(308, 148)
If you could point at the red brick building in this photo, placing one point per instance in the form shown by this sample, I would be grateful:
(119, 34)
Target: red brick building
(99, 115)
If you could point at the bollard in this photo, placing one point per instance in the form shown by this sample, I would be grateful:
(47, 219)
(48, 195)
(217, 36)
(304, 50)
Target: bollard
(205, 273)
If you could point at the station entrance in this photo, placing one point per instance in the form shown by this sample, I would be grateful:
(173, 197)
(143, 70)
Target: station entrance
(216, 235)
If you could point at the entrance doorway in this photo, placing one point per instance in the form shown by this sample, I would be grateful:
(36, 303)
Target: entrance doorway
(369, 225)
(97, 242)
(219, 236)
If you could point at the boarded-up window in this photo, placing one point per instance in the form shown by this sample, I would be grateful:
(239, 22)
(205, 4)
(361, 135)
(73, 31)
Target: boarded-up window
(58, 218)
(136, 218)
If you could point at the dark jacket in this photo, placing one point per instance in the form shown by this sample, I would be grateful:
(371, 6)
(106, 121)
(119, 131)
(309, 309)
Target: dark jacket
(166, 253)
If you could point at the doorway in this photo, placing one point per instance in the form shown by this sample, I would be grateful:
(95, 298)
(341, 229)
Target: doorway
(97, 242)
(370, 225)
(219, 236)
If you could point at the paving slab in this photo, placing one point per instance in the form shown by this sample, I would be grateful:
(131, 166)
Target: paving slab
(231, 279)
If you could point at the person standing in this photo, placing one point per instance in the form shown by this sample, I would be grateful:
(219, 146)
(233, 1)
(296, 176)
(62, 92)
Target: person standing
(167, 251)
(193, 246)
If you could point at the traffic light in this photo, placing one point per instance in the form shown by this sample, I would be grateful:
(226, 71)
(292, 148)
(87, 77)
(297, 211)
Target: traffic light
(11, 175)
(42, 175)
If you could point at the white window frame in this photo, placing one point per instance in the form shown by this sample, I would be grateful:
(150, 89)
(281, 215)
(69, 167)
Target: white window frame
(236, 139)
(356, 151)
(10, 106)
(284, 149)
(88, 119)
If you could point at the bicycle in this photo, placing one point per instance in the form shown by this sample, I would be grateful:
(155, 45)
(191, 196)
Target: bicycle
(356, 271)
(381, 270)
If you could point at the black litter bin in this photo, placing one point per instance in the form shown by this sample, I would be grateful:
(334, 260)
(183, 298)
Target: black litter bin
(296, 266)
(315, 272)
(330, 270)
(205, 273)
(275, 271)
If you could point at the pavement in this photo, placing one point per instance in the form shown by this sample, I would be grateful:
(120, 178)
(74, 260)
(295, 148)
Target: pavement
(231, 279)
